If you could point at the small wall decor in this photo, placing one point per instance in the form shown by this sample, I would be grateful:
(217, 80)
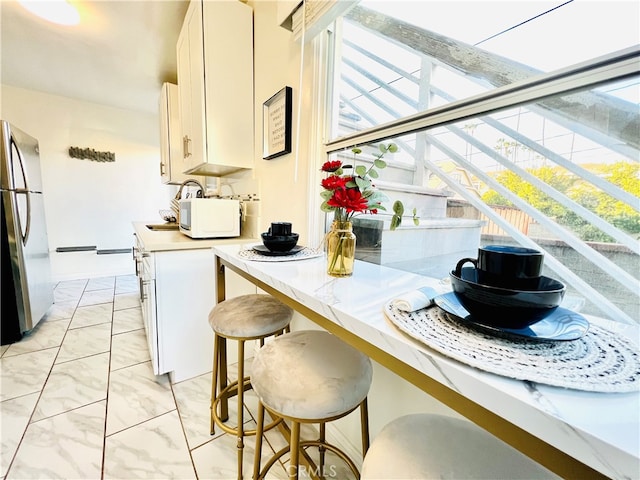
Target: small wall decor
(276, 117)
(91, 154)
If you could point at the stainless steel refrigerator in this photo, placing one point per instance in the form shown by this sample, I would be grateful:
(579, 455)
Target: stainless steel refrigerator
(27, 288)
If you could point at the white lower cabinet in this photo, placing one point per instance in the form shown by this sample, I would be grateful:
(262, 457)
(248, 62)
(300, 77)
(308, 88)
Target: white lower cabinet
(185, 294)
(177, 290)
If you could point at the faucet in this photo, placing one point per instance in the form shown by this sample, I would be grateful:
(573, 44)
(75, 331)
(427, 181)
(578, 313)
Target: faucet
(175, 203)
(190, 181)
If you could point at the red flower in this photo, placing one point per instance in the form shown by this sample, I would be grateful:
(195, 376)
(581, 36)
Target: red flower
(331, 166)
(335, 182)
(348, 198)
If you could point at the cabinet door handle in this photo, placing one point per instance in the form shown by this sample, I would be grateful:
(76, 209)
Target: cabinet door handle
(162, 172)
(186, 142)
(135, 261)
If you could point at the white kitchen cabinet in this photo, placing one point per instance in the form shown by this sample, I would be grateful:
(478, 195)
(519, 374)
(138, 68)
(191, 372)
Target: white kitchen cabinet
(215, 84)
(177, 292)
(172, 162)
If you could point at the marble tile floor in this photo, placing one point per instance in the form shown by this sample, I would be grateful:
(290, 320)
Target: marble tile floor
(78, 399)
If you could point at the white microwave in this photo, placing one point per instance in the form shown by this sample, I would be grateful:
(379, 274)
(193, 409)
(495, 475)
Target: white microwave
(210, 217)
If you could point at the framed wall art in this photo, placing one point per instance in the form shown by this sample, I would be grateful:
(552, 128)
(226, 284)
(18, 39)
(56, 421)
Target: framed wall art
(276, 118)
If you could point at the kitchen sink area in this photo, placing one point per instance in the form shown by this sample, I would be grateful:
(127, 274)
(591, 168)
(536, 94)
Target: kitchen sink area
(162, 226)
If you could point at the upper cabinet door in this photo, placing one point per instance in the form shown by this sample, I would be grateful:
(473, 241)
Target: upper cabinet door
(172, 162)
(184, 83)
(216, 87)
(191, 86)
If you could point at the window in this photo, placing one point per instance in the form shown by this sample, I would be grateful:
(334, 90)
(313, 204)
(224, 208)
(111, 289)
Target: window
(514, 114)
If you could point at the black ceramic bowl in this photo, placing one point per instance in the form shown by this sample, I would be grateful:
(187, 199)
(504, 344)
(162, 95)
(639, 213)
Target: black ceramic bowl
(503, 307)
(279, 243)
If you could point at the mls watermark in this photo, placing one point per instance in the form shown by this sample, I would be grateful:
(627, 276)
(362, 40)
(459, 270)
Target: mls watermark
(325, 471)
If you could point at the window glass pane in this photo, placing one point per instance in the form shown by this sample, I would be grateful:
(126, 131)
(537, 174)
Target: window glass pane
(398, 58)
(561, 174)
(533, 174)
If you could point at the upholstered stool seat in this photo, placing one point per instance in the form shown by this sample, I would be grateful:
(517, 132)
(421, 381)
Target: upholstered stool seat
(309, 377)
(243, 318)
(425, 446)
(251, 316)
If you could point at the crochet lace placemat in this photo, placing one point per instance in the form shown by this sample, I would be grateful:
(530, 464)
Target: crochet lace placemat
(600, 361)
(306, 252)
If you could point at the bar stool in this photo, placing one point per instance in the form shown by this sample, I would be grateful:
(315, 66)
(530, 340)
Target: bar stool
(309, 377)
(243, 318)
(425, 446)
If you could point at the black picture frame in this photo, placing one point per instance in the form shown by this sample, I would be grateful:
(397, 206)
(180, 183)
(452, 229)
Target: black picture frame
(277, 114)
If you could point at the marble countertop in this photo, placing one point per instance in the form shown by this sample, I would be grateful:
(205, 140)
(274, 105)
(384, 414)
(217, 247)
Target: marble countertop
(601, 430)
(164, 240)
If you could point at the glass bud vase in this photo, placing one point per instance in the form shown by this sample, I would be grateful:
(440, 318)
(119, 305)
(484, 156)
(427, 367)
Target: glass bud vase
(341, 249)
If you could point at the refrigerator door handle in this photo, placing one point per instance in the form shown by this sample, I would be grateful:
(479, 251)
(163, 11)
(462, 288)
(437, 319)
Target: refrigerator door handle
(23, 191)
(21, 163)
(27, 229)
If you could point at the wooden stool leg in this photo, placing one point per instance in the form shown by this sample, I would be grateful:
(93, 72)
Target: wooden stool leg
(294, 462)
(364, 425)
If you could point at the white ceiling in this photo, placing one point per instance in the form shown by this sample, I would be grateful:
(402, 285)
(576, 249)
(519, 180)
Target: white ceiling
(119, 55)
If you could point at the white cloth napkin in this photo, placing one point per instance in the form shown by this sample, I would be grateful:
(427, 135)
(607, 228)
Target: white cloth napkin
(415, 299)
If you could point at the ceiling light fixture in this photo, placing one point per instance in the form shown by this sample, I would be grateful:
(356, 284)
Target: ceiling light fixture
(56, 11)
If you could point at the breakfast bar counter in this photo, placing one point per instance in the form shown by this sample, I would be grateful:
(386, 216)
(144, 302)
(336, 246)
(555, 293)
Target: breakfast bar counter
(575, 433)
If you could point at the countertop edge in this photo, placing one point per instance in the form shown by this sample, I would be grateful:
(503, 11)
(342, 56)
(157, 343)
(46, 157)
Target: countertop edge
(170, 240)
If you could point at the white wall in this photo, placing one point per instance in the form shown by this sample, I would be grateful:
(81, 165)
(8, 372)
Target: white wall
(87, 202)
(277, 64)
